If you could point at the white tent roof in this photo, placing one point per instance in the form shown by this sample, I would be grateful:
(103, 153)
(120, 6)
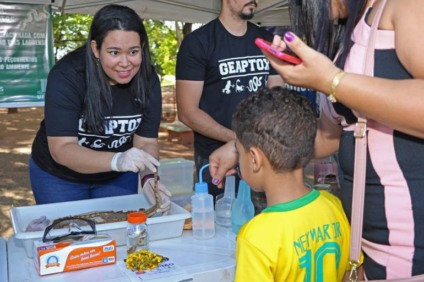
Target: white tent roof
(269, 12)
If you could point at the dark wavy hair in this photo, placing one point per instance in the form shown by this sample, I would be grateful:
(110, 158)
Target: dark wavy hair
(98, 99)
(280, 122)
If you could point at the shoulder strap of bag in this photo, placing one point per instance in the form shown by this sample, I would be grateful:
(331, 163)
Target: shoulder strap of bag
(361, 157)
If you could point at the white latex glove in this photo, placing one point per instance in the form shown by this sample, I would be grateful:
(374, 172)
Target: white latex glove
(134, 160)
(164, 194)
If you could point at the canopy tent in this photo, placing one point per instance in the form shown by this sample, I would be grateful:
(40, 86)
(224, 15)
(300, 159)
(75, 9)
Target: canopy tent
(269, 12)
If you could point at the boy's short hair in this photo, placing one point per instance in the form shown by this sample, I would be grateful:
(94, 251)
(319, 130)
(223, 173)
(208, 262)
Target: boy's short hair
(280, 122)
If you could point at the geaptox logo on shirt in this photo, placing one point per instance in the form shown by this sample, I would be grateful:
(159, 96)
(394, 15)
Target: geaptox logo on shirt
(243, 74)
(118, 131)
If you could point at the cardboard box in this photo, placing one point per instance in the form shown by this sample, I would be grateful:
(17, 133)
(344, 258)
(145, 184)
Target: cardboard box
(50, 258)
(160, 227)
(177, 175)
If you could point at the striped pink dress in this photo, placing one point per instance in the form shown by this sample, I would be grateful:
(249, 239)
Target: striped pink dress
(393, 234)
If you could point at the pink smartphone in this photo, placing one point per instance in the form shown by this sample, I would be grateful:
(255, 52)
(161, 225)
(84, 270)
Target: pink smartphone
(266, 46)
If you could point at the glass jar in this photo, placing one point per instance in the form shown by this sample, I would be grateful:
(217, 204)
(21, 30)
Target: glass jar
(137, 233)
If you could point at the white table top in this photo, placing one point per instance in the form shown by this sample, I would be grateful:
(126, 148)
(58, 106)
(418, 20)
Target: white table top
(3, 260)
(202, 260)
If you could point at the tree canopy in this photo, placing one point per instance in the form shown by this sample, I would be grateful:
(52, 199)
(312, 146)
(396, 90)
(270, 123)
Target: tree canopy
(163, 46)
(70, 31)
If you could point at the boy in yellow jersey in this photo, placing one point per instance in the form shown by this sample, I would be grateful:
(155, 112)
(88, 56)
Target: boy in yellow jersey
(303, 234)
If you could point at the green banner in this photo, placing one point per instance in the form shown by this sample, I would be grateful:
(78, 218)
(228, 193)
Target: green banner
(26, 54)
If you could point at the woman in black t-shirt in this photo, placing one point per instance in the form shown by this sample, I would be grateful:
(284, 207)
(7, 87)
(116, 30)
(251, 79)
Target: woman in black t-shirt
(102, 116)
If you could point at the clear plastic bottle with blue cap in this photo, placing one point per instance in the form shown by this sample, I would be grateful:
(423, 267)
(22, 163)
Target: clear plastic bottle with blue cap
(243, 209)
(202, 210)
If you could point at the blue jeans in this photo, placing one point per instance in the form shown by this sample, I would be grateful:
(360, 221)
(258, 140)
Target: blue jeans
(48, 188)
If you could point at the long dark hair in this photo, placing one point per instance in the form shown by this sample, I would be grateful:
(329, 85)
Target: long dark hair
(311, 20)
(356, 8)
(98, 99)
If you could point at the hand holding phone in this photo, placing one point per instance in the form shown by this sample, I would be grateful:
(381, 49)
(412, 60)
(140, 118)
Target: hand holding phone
(266, 46)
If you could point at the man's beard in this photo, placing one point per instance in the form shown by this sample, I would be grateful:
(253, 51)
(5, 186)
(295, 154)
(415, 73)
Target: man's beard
(249, 16)
(251, 13)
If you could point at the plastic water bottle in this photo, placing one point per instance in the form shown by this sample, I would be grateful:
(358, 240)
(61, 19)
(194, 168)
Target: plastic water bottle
(202, 211)
(243, 209)
(224, 205)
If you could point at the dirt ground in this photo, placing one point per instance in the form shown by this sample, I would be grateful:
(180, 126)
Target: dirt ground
(17, 131)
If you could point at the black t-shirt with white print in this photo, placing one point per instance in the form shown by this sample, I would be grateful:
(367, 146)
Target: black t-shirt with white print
(63, 117)
(232, 68)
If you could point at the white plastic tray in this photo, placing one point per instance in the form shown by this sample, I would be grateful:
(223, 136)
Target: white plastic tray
(160, 227)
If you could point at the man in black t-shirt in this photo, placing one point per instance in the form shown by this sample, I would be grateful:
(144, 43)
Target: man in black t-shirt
(218, 65)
